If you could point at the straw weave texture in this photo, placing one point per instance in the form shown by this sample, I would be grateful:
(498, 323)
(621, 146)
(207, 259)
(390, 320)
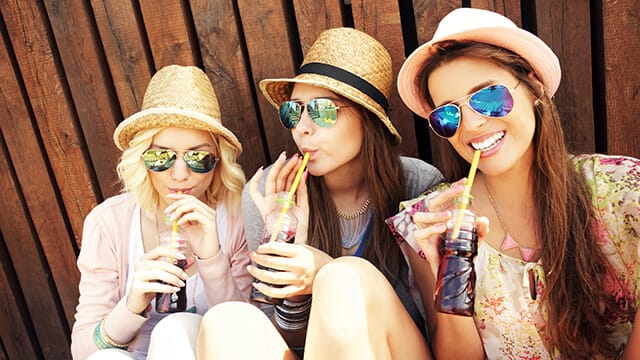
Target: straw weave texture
(350, 50)
(177, 96)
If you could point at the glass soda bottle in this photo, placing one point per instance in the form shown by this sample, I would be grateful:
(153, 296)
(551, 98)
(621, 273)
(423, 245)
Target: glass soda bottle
(172, 236)
(455, 286)
(284, 222)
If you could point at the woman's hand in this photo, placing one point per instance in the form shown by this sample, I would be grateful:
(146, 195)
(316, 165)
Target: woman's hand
(198, 220)
(280, 179)
(433, 223)
(297, 266)
(149, 271)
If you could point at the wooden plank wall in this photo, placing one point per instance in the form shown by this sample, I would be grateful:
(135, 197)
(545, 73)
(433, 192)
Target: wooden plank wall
(70, 70)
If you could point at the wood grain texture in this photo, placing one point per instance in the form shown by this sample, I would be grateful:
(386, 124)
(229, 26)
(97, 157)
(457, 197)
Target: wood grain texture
(269, 40)
(168, 28)
(33, 298)
(90, 87)
(564, 25)
(225, 61)
(126, 50)
(621, 35)
(381, 19)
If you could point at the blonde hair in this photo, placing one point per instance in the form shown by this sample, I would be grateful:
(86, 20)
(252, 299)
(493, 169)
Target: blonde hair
(226, 185)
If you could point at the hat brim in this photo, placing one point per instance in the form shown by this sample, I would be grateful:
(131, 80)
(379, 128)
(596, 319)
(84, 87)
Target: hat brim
(170, 117)
(279, 90)
(528, 46)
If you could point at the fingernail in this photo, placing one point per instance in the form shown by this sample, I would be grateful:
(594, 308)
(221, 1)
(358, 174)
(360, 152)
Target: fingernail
(180, 256)
(283, 154)
(181, 283)
(184, 276)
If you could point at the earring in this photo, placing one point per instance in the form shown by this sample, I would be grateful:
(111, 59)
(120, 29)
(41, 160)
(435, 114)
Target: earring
(537, 103)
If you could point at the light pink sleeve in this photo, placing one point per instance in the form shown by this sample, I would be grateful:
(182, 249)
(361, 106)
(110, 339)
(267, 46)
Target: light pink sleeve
(225, 275)
(101, 285)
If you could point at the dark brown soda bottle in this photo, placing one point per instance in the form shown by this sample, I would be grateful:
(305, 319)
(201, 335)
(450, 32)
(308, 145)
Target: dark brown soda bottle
(286, 223)
(172, 236)
(455, 286)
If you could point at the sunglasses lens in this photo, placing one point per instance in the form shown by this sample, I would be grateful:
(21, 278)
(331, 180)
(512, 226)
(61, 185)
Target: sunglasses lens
(493, 101)
(323, 112)
(200, 161)
(159, 160)
(290, 114)
(445, 120)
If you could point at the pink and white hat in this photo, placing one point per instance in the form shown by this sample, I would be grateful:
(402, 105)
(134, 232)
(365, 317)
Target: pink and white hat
(485, 27)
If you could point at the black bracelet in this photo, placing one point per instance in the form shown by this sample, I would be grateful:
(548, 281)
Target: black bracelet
(293, 315)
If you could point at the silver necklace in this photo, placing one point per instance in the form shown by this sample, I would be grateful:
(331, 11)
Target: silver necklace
(508, 242)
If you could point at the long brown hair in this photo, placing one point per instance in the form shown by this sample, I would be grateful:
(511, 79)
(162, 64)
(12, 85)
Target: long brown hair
(572, 260)
(385, 185)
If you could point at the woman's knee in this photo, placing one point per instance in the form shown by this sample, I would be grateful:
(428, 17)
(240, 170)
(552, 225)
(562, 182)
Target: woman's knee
(227, 328)
(176, 333)
(348, 272)
(185, 322)
(111, 354)
(232, 312)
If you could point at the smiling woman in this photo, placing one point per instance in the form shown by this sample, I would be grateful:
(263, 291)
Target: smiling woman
(178, 166)
(564, 227)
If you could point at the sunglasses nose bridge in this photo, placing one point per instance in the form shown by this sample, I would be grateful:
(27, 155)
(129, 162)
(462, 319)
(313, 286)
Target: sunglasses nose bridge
(179, 169)
(470, 118)
(304, 122)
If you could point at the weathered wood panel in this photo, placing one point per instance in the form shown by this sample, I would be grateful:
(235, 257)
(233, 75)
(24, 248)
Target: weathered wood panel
(126, 50)
(169, 32)
(564, 25)
(225, 60)
(32, 302)
(71, 70)
(621, 50)
(381, 19)
(266, 26)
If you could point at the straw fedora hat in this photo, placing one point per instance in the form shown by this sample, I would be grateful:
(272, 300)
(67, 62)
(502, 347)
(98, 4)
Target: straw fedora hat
(482, 26)
(177, 96)
(348, 62)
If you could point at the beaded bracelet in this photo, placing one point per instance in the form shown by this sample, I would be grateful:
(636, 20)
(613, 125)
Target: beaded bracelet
(103, 341)
(293, 315)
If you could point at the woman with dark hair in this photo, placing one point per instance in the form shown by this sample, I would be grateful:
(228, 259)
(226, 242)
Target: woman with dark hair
(336, 110)
(558, 274)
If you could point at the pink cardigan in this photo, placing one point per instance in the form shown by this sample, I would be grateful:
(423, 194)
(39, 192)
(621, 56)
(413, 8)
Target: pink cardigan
(104, 268)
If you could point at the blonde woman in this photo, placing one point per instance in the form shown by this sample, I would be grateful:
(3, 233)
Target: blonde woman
(178, 165)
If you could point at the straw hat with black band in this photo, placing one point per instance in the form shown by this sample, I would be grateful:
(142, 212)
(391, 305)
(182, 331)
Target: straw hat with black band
(177, 96)
(484, 26)
(348, 62)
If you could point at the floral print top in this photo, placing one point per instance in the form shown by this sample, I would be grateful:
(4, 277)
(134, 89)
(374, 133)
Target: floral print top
(509, 290)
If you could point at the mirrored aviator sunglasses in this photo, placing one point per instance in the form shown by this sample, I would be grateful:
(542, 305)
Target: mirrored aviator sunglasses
(491, 101)
(323, 112)
(200, 162)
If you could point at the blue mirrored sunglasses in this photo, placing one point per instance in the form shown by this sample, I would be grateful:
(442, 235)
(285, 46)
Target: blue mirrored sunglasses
(492, 101)
(163, 159)
(322, 111)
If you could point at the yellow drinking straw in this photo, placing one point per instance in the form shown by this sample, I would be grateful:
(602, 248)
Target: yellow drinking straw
(466, 194)
(173, 242)
(292, 192)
